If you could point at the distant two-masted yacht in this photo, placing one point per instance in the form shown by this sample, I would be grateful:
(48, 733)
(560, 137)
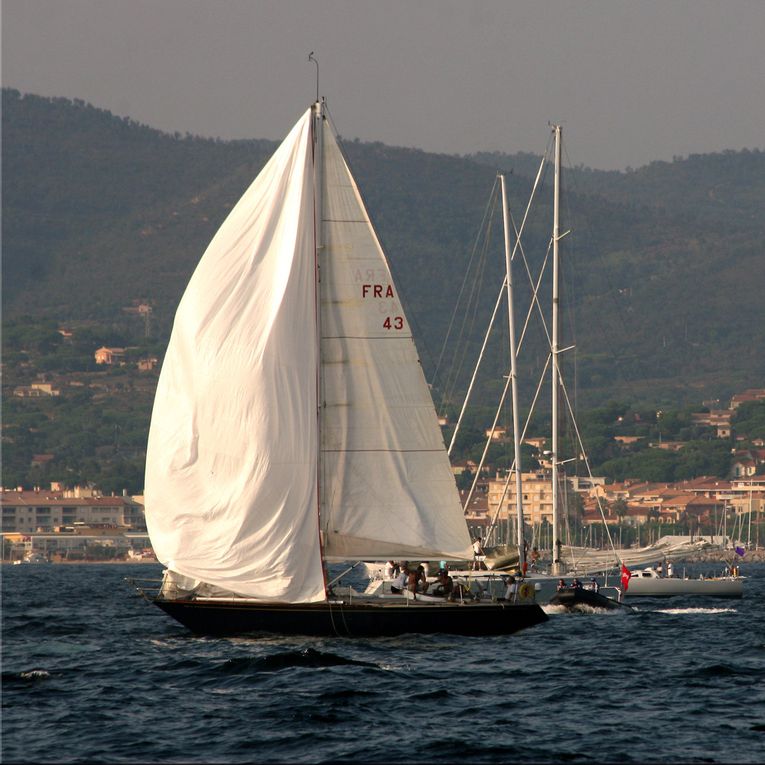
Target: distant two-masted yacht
(293, 427)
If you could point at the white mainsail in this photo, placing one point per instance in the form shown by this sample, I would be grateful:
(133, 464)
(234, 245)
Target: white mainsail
(234, 464)
(387, 487)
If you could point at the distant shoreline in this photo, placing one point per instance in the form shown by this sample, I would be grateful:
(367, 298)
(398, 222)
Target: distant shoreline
(141, 562)
(752, 556)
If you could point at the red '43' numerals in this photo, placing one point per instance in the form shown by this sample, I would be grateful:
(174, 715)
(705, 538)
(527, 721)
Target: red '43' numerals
(397, 322)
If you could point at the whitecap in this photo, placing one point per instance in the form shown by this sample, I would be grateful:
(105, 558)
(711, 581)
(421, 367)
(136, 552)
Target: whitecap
(696, 611)
(34, 674)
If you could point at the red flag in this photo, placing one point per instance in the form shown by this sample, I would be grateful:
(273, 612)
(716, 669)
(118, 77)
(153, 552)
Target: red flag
(626, 574)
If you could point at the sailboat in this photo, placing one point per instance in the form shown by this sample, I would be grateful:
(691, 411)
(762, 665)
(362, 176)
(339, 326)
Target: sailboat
(567, 560)
(293, 428)
(545, 584)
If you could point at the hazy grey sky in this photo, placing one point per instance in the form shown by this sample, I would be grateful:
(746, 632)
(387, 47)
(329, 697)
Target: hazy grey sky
(630, 80)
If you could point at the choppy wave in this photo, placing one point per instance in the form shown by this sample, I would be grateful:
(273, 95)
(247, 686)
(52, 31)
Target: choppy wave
(26, 677)
(307, 657)
(681, 681)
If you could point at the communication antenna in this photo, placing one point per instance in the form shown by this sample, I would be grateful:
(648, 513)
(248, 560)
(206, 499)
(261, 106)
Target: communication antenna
(311, 57)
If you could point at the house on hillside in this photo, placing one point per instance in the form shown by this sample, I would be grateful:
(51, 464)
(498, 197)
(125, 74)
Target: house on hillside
(498, 434)
(751, 394)
(147, 364)
(704, 486)
(744, 464)
(110, 356)
(747, 495)
(719, 419)
(627, 441)
(668, 446)
(458, 468)
(36, 390)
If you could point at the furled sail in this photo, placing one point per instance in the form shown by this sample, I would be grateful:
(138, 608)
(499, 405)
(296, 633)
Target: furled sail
(231, 477)
(387, 490)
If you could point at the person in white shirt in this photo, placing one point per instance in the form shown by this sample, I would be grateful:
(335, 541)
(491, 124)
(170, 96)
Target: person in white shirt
(400, 583)
(477, 553)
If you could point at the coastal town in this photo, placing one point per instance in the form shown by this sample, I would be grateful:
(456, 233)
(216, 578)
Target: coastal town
(81, 523)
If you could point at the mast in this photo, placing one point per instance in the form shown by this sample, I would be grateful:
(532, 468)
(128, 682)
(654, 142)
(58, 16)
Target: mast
(555, 353)
(319, 238)
(513, 375)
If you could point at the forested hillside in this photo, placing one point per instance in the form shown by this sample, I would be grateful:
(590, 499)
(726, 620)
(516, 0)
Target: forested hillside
(663, 271)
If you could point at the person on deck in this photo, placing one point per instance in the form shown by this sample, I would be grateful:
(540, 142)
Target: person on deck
(512, 589)
(414, 579)
(422, 579)
(402, 580)
(444, 584)
(478, 553)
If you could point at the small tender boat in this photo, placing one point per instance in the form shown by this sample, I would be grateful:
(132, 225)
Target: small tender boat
(649, 583)
(575, 597)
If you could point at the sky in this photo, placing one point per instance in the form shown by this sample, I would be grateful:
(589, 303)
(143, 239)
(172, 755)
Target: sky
(631, 81)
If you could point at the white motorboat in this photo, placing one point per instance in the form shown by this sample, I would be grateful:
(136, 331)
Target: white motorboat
(650, 583)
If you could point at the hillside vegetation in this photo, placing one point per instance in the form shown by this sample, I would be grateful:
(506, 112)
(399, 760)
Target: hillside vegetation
(664, 268)
(663, 271)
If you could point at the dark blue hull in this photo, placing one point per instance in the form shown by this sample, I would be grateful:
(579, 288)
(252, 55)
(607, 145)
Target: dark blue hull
(570, 597)
(352, 619)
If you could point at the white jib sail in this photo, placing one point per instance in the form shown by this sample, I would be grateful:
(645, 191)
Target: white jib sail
(231, 477)
(386, 484)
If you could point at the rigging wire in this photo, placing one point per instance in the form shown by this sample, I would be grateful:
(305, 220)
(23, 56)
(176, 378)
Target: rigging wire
(471, 305)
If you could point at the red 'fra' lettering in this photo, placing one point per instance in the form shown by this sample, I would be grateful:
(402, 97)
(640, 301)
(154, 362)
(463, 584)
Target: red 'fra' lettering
(377, 290)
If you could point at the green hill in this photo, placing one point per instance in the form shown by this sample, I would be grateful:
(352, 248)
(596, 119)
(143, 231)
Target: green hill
(664, 270)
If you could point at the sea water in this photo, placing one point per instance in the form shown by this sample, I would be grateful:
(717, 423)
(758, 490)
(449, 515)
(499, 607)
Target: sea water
(92, 672)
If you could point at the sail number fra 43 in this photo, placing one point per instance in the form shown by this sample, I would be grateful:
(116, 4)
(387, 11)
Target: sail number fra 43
(383, 291)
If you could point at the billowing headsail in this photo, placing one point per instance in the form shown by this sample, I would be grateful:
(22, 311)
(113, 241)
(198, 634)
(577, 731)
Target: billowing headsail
(387, 487)
(231, 486)
(243, 472)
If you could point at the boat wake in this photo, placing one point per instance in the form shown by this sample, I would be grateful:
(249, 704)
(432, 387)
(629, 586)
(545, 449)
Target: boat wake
(552, 609)
(695, 611)
(580, 608)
